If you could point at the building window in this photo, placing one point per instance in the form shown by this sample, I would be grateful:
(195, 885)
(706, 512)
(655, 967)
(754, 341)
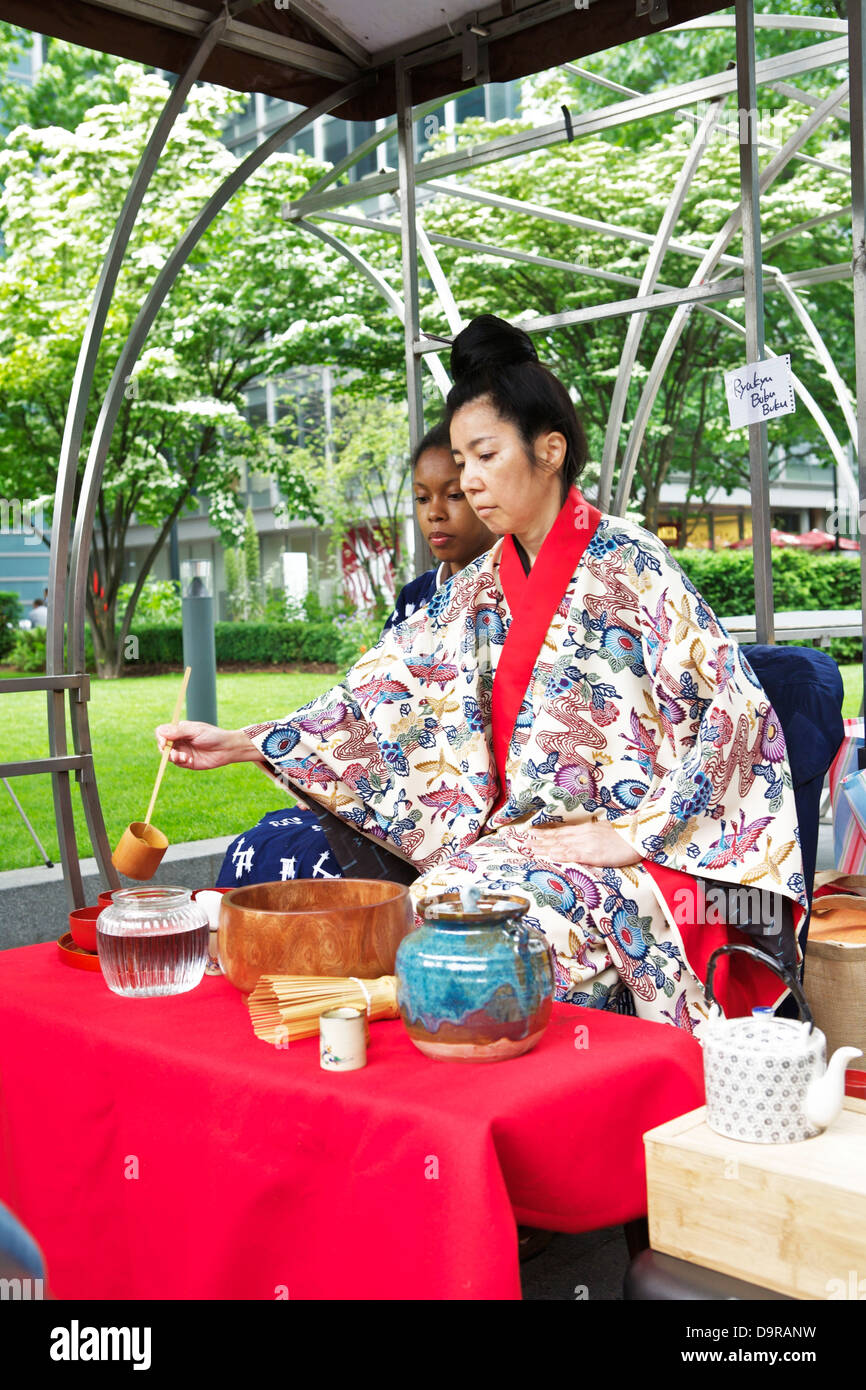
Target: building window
(726, 529)
(503, 99)
(361, 131)
(471, 104)
(336, 145)
(303, 143)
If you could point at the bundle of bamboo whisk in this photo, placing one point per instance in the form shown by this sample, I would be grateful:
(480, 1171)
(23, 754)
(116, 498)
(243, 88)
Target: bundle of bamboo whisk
(283, 1007)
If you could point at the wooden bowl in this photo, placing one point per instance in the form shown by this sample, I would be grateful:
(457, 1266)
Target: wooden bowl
(313, 926)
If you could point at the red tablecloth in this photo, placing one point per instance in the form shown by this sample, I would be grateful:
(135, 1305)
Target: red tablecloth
(157, 1149)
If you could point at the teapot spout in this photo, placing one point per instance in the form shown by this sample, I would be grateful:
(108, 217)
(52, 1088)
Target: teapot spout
(824, 1096)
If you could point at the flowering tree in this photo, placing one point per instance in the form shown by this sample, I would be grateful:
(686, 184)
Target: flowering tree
(256, 299)
(358, 462)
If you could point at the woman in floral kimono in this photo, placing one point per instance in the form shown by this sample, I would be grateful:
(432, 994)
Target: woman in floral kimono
(566, 719)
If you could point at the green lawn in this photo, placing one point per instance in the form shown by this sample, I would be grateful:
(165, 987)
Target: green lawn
(852, 680)
(123, 715)
(192, 805)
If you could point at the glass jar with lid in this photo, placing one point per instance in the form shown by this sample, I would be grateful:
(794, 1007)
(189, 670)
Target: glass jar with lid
(152, 941)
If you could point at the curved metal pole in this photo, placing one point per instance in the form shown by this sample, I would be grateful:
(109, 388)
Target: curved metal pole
(692, 116)
(440, 283)
(711, 258)
(650, 276)
(371, 143)
(481, 248)
(572, 219)
(807, 226)
(764, 21)
(101, 441)
(857, 72)
(834, 443)
(64, 500)
(808, 324)
(84, 371)
(378, 281)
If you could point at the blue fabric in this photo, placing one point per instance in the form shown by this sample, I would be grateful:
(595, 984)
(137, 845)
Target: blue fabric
(285, 844)
(17, 1243)
(804, 686)
(414, 595)
(290, 843)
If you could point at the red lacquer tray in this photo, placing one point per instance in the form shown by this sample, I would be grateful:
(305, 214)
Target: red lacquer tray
(73, 955)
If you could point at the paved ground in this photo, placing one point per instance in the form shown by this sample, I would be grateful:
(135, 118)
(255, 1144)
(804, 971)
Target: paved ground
(34, 905)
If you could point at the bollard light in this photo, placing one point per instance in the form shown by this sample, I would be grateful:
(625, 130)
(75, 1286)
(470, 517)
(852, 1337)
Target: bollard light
(199, 645)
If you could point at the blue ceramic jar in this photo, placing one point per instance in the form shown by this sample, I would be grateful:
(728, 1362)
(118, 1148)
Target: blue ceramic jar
(475, 984)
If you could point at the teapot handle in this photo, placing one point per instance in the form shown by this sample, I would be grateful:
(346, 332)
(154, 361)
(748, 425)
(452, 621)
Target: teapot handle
(782, 971)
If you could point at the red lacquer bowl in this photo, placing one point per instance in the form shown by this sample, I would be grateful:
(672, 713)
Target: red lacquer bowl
(82, 925)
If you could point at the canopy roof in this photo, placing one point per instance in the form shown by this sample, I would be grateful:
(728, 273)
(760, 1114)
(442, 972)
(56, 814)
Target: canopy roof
(302, 50)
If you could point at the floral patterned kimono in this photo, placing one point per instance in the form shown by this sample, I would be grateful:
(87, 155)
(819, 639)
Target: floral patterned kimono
(599, 687)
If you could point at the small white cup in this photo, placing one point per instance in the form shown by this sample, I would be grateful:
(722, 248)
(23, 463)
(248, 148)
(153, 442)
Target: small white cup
(211, 901)
(342, 1039)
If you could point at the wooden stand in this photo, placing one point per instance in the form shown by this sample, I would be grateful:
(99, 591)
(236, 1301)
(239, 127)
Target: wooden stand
(789, 1217)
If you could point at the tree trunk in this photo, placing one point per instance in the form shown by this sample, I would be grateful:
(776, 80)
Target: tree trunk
(105, 646)
(650, 505)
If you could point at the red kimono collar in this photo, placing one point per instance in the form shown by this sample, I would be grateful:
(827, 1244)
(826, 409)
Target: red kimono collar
(533, 599)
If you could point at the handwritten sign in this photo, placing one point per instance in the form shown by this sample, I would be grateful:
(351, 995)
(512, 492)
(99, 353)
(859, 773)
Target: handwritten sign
(760, 391)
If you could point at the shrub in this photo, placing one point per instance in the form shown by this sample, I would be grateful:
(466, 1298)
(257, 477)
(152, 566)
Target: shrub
(10, 612)
(159, 644)
(28, 650)
(801, 579)
(158, 602)
(355, 636)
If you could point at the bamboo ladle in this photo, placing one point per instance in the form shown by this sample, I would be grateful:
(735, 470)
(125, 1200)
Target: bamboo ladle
(141, 846)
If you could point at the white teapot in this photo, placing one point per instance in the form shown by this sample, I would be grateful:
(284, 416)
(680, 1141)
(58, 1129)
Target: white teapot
(767, 1079)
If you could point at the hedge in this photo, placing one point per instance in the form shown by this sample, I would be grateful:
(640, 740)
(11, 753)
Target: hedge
(801, 580)
(161, 644)
(251, 643)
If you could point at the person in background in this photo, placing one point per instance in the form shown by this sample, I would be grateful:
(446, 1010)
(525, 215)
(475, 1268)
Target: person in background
(290, 843)
(39, 613)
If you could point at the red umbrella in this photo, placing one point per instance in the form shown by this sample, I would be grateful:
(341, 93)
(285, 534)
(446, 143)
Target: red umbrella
(817, 540)
(780, 538)
(823, 540)
(810, 540)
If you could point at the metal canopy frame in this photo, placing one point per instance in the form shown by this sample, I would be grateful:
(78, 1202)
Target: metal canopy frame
(746, 278)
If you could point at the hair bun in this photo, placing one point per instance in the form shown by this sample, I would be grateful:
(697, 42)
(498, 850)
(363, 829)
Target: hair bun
(488, 343)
